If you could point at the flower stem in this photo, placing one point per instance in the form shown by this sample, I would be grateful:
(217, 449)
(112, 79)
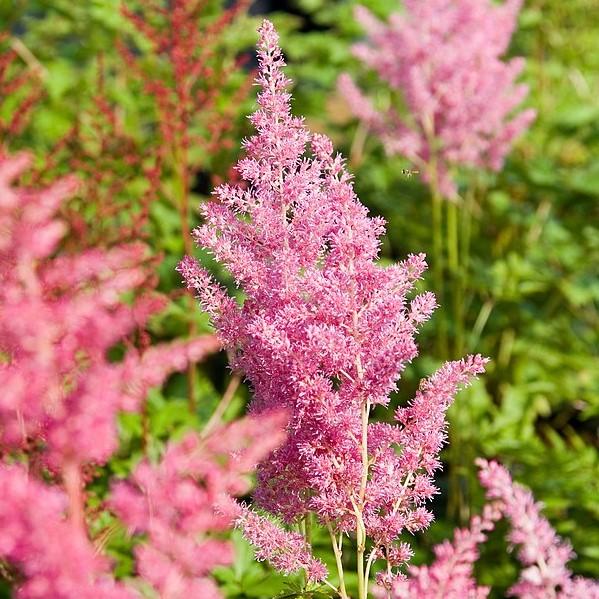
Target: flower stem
(72, 481)
(457, 276)
(338, 560)
(360, 529)
(224, 403)
(438, 260)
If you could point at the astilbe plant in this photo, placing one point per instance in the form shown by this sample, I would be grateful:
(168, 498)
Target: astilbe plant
(461, 99)
(118, 178)
(185, 74)
(453, 105)
(183, 504)
(60, 315)
(323, 332)
(53, 559)
(542, 553)
(451, 575)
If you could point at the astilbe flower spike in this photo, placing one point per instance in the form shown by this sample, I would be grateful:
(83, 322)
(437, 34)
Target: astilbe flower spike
(451, 575)
(182, 502)
(444, 57)
(542, 553)
(323, 332)
(286, 551)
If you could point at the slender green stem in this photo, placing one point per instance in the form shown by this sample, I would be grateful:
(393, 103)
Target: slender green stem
(224, 403)
(361, 548)
(369, 565)
(452, 235)
(456, 271)
(438, 265)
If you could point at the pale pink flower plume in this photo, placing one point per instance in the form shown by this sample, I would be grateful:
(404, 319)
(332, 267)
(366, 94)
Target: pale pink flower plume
(461, 99)
(184, 501)
(323, 331)
(541, 551)
(451, 575)
(54, 558)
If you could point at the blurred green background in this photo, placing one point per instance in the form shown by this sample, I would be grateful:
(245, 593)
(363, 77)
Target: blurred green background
(532, 282)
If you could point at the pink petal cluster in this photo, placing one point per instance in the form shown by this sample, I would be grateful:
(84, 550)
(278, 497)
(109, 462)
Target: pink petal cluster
(323, 331)
(286, 551)
(444, 57)
(451, 575)
(181, 502)
(402, 481)
(59, 317)
(541, 551)
(53, 557)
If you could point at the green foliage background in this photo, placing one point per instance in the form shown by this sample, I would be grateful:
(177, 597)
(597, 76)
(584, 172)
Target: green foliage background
(533, 286)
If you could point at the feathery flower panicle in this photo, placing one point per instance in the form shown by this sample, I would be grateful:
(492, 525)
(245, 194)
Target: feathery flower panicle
(54, 558)
(59, 317)
(451, 575)
(184, 70)
(541, 551)
(444, 57)
(286, 551)
(181, 502)
(324, 332)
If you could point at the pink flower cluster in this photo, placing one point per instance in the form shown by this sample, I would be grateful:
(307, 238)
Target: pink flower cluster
(444, 57)
(55, 558)
(451, 575)
(324, 331)
(181, 502)
(286, 551)
(60, 315)
(542, 553)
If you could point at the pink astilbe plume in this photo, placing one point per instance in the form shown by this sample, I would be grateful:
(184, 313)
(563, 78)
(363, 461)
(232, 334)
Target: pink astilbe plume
(444, 57)
(59, 316)
(286, 551)
(451, 575)
(324, 331)
(54, 559)
(182, 502)
(541, 551)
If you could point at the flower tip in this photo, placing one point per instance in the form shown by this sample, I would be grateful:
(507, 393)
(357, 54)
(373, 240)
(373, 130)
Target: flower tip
(269, 38)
